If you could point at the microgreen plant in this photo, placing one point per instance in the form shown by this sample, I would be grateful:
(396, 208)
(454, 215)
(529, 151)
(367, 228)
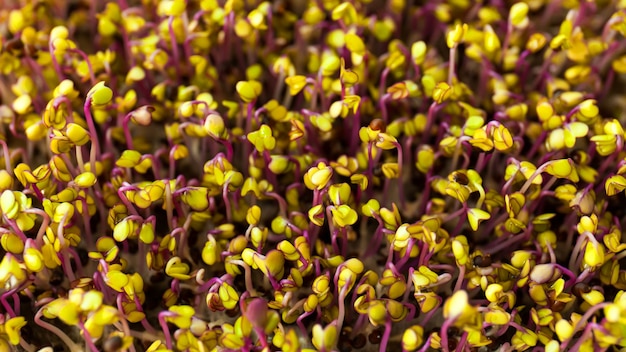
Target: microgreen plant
(199, 175)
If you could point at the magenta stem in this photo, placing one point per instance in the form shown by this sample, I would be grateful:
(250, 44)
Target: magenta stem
(386, 335)
(95, 143)
(166, 330)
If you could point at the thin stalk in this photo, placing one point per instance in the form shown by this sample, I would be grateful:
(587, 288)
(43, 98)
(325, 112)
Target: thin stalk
(459, 280)
(385, 340)
(342, 302)
(451, 62)
(66, 340)
(444, 335)
(166, 331)
(7, 157)
(95, 143)
(87, 337)
(247, 277)
(585, 318)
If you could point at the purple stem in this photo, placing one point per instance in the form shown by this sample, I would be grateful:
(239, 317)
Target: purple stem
(127, 135)
(444, 335)
(92, 77)
(261, 335)
(166, 330)
(400, 168)
(459, 280)
(426, 344)
(226, 202)
(58, 332)
(129, 206)
(7, 157)
(432, 110)
(383, 107)
(430, 314)
(461, 345)
(386, 335)
(55, 63)
(6, 305)
(407, 254)
(301, 324)
(87, 337)
(229, 148)
(342, 301)
(95, 143)
(585, 318)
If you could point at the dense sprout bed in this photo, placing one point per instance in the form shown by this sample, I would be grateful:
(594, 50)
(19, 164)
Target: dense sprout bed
(312, 175)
